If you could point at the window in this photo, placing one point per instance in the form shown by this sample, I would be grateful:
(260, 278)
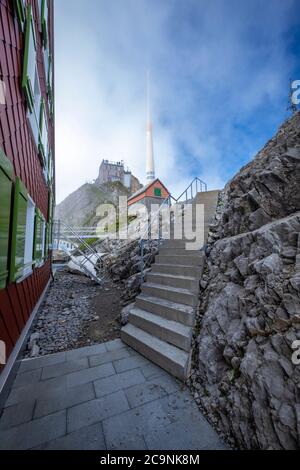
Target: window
(157, 192)
(18, 231)
(20, 9)
(46, 65)
(6, 175)
(29, 67)
(50, 169)
(43, 141)
(49, 86)
(44, 17)
(50, 220)
(50, 76)
(34, 115)
(28, 256)
(39, 238)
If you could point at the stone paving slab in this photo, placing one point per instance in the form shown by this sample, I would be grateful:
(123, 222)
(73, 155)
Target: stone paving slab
(17, 414)
(130, 363)
(105, 396)
(43, 361)
(34, 432)
(97, 410)
(184, 435)
(88, 438)
(60, 400)
(109, 356)
(56, 370)
(152, 390)
(32, 377)
(118, 382)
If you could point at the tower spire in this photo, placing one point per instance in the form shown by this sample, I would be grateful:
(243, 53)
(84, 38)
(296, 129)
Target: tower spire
(149, 137)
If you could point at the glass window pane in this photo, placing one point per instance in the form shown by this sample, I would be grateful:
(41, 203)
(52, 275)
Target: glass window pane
(21, 235)
(29, 237)
(31, 58)
(5, 206)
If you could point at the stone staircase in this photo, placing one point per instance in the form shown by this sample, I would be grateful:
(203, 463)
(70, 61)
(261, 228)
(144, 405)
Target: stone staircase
(161, 322)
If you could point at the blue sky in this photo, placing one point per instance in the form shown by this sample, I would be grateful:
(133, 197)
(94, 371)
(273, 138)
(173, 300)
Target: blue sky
(219, 83)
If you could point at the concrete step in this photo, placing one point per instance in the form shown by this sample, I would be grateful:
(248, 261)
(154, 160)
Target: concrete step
(172, 359)
(170, 331)
(183, 282)
(183, 260)
(175, 269)
(172, 243)
(174, 294)
(174, 311)
(165, 251)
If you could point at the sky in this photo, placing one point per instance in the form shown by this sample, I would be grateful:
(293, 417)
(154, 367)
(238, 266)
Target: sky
(219, 73)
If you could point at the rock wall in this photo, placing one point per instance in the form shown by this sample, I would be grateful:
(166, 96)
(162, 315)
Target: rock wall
(249, 316)
(123, 263)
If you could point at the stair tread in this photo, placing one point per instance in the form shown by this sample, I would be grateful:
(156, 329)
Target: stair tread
(167, 350)
(187, 260)
(181, 250)
(167, 303)
(175, 265)
(173, 276)
(171, 325)
(169, 288)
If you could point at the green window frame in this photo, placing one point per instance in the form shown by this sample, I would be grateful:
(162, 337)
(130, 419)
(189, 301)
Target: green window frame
(18, 237)
(20, 9)
(157, 192)
(43, 139)
(50, 74)
(39, 237)
(48, 239)
(44, 21)
(50, 169)
(6, 185)
(29, 65)
(34, 116)
(50, 218)
(50, 86)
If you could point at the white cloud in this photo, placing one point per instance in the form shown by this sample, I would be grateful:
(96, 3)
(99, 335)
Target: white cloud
(213, 65)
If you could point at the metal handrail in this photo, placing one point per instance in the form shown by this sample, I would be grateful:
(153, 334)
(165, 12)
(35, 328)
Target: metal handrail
(195, 180)
(158, 212)
(78, 237)
(154, 217)
(87, 255)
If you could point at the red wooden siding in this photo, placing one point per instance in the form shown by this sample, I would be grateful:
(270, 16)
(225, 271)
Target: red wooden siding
(18, 300)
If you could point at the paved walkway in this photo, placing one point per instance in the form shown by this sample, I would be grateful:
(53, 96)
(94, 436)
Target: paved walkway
(101, 397)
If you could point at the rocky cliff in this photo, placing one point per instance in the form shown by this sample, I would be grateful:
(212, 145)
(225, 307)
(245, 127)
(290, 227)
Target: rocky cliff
(79, 208)
(243, 375)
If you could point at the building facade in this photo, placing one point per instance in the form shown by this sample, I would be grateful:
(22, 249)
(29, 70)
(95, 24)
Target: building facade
(115, 171)
(153, 193)
(27, 188)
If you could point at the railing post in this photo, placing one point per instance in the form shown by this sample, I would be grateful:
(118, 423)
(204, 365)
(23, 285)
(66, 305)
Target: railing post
(58, 233)
(142, 261)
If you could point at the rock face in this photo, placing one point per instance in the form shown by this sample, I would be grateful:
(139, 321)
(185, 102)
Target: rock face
(249, 315)
(123, 263)
(79, 208)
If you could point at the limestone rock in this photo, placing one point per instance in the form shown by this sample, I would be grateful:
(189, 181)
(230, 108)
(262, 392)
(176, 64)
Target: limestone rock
(250, 301)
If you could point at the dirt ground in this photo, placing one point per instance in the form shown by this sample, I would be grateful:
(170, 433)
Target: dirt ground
(76, 312)
(107, 306)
